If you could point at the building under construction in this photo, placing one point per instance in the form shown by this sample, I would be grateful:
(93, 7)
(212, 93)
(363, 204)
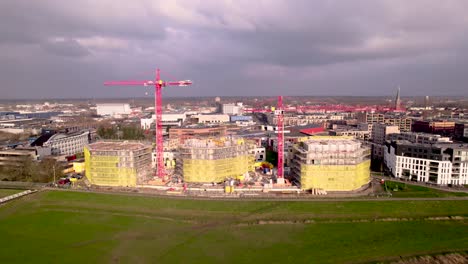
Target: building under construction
(331, 164)
(214, 160)
(118, 163)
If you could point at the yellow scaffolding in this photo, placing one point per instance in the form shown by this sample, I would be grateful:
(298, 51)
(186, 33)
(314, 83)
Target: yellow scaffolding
(335, 177)
(105, 170)
(197, 170)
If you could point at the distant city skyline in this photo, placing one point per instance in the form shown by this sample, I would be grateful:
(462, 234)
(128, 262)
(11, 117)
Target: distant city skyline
(60, 49)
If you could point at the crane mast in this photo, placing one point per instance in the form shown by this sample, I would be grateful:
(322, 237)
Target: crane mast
(158, 85)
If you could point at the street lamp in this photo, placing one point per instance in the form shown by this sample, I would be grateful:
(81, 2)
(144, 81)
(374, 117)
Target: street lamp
(54, 173)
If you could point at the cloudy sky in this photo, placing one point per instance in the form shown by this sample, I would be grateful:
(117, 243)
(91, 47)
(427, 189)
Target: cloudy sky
(67, 49)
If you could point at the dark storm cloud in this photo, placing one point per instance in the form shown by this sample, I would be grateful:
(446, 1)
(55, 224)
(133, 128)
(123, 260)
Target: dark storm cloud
(234, 47)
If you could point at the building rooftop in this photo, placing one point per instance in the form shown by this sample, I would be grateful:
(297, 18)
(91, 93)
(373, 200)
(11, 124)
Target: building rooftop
(116, 145)
(435, 144)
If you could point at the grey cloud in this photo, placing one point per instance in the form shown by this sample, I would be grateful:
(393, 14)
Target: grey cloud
(65, 47)
(306, 47)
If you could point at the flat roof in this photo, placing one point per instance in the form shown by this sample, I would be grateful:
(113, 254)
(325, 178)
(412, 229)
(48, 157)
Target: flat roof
(118, 145)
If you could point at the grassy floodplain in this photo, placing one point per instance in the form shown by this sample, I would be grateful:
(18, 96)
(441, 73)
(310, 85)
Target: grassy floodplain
(73, 227)
(403, 190)
(8, 192)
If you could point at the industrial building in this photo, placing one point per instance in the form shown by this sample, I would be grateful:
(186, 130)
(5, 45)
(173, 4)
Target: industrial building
(113, 109)
(331, 164)
(441, 163)
(118, 163)
(214, 160)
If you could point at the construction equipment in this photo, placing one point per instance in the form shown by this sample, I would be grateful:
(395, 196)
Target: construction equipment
(279, 113)
(158, 85)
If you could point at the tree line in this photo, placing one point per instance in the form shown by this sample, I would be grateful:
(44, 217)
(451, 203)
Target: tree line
(27, 170)
(121, 132)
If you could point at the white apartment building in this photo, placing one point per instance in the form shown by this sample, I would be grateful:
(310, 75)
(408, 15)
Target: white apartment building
(67, 144)
(441, 164)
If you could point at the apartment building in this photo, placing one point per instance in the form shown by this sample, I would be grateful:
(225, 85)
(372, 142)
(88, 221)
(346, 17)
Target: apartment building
(64, 144)
(421, 138)
(404, 123)
(441, 163)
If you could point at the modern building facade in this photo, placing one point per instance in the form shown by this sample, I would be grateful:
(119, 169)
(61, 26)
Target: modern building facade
(64, 144)
(441, 163)
(331, 164)
(125, 164)
(421, 138)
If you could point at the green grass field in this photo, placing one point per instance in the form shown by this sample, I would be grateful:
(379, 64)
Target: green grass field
(408, 190)
(8, 192)
(71, 227)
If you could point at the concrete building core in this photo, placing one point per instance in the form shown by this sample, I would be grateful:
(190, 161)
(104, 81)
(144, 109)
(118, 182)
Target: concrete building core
(118, 163)
(214, 160)
(331, 164)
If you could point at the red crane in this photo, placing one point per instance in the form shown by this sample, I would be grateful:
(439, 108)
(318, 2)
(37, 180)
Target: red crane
(158, 85)
(279, 113)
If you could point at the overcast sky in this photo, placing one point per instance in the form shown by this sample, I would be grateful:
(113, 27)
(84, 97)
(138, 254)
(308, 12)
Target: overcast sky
(67, 49)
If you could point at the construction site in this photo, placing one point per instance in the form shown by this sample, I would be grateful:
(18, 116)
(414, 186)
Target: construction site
(122, 163)
(214, 160)
(331, 164)
(227, 163)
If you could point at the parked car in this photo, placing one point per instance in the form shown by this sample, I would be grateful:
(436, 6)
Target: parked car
(63, 181)
(77, 176)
